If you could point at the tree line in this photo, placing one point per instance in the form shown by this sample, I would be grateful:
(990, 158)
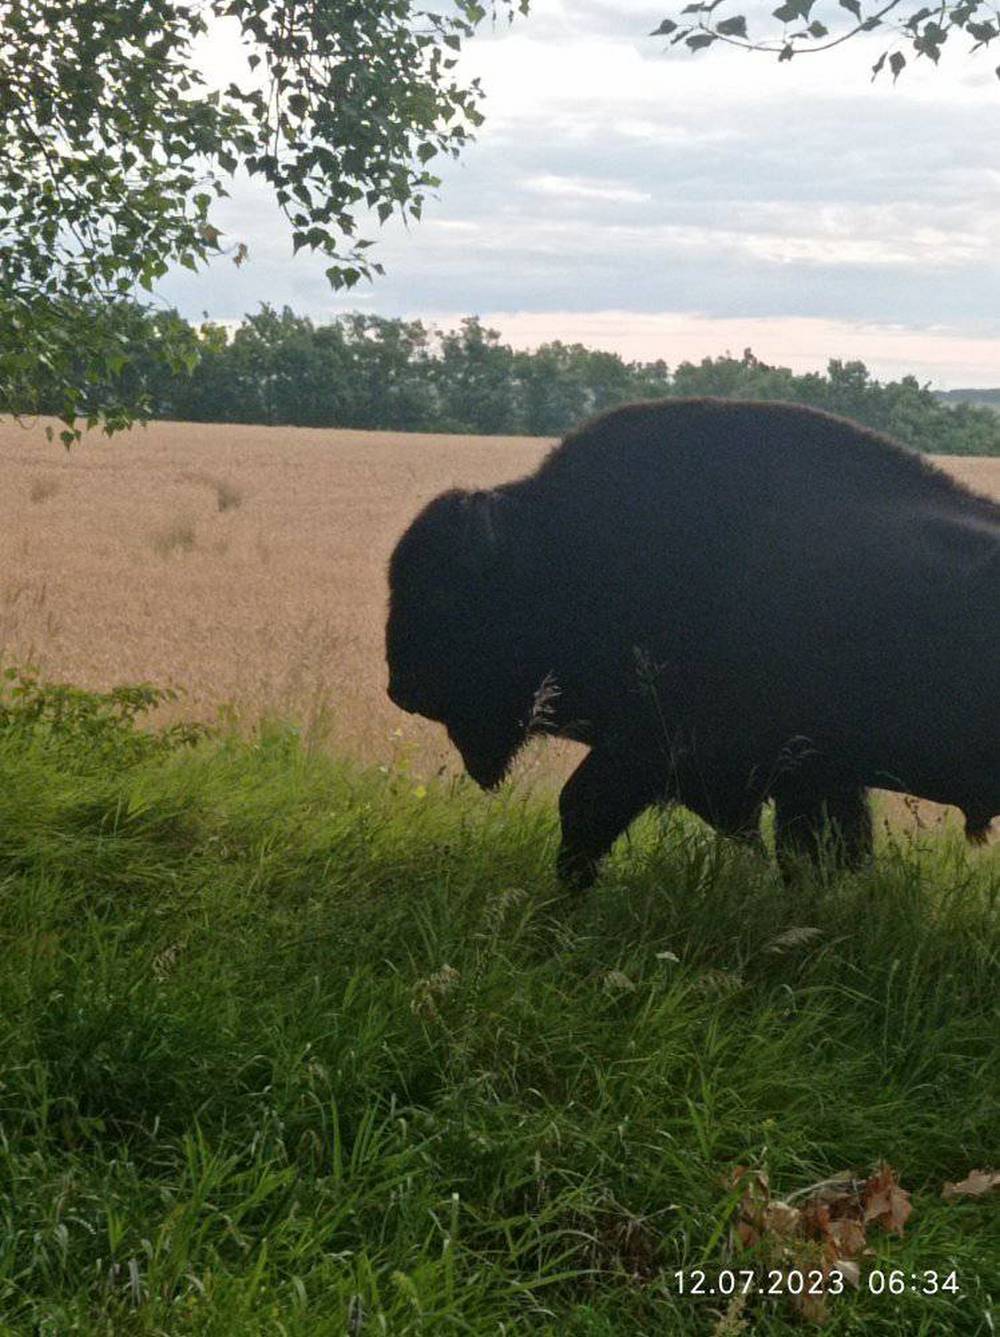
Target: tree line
(379, 373)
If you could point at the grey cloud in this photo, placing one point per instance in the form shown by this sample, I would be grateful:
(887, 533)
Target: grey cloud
(717, 202)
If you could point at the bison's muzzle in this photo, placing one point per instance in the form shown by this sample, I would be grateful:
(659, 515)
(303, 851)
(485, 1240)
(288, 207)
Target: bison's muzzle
(408, 695)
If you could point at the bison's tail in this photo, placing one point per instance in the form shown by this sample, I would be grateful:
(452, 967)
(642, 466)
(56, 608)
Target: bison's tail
(977, 830)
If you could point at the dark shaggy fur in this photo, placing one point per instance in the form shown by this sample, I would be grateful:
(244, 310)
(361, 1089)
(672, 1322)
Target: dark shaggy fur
(729, 601)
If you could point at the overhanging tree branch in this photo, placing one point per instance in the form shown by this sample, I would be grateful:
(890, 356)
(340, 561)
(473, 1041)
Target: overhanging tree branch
(114, 149)
(925, 29)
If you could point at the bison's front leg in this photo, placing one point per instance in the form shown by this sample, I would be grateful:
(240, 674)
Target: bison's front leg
(598, 801)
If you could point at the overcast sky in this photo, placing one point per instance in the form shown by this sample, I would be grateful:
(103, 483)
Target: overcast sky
(678, 206)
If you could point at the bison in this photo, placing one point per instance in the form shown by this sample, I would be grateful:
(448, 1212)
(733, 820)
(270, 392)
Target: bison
(728, 602)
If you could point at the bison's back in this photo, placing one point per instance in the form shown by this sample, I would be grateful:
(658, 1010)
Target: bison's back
(716, 447)
(765, 491)
(778, 562)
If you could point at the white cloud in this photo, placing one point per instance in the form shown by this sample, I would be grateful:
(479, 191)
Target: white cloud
(943, 356)
(658, 132)
(569, 188)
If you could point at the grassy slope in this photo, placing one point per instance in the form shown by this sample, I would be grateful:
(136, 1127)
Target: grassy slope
(241, 1093)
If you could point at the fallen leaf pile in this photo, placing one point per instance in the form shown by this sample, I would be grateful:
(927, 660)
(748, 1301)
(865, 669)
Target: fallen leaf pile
(820, 1230)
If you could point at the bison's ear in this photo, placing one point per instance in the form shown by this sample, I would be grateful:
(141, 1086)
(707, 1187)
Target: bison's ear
(482, 525)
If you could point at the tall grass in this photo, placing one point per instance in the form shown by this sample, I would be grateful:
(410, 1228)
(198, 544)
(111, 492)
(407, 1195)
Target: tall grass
(292, 1047)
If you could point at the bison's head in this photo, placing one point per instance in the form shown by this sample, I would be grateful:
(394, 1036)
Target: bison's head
(451, 642)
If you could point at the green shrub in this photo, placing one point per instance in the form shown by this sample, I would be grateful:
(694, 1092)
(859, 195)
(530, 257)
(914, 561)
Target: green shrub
(89, 729)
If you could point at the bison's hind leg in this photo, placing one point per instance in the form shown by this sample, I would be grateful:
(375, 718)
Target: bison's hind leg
(598, 802)
(831, 827)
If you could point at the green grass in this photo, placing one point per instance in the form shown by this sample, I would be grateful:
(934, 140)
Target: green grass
(290, 1048)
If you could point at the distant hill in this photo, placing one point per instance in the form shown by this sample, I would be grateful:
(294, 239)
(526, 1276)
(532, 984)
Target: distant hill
(977, 395)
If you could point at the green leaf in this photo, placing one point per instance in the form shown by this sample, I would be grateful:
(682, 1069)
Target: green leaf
(897, 62)
(853, 5)
(699, 40)
(733, 27)
(666, 27)
(982, 32)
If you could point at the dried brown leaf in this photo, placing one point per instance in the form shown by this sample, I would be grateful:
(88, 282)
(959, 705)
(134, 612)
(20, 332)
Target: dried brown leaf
(782, 1219)
(849, 1270)
(974, 1185)
(849, 1238)
(815, 1219)
(812, 1307)
(884, 1201)
(748, 1223)
(842, 1197)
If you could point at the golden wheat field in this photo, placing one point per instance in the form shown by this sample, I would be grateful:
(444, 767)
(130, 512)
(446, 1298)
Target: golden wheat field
(245, 565)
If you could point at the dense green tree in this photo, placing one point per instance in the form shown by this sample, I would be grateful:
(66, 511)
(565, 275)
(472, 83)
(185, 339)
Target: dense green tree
(391, 374)
(991, 398)
(273, 366)
(649, 380)
(213, 393)
(378, 373)
(610, 381)
(475, 380)
(561, 384)
(114, 148)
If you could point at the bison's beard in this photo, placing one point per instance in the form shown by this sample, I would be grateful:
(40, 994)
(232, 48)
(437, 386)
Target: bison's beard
(487, 749)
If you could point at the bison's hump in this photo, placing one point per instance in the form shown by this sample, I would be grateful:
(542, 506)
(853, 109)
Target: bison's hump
(729, 443)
